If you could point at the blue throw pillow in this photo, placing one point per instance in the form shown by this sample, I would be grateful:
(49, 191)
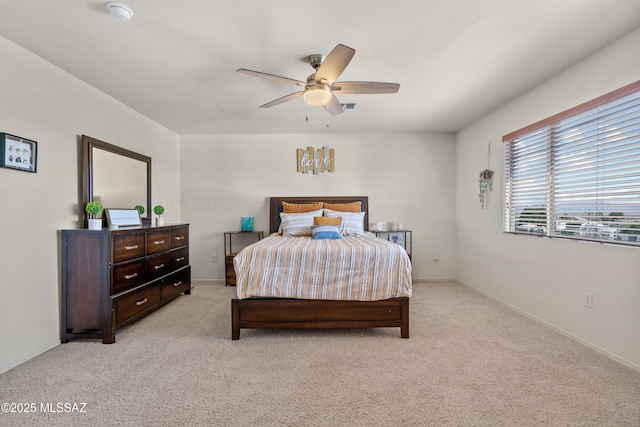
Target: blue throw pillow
(325, 232)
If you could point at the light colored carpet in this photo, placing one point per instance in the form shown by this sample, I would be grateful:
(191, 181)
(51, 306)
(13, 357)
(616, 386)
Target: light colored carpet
(469, 362)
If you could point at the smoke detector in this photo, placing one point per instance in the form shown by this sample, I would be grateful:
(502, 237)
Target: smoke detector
(120, 11)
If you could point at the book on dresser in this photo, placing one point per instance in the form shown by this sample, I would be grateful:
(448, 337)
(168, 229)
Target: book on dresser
(111, 278)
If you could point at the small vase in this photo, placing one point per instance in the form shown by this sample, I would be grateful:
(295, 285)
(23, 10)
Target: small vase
(159, 221)
(95, 223)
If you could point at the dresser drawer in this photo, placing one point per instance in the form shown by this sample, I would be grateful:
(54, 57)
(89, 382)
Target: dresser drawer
(128, 246)
(158, 241)
(158, 266)
(176, 284)
(179, 258)
(128, 276)
(137, 302)
(179, 237)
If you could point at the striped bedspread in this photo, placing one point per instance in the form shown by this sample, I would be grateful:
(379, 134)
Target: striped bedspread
(360, 268)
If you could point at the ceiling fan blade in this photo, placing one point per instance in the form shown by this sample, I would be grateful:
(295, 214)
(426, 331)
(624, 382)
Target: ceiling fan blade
(333, 106)
(271, 77)
(285, 98)
(365, 87)
(334, 64)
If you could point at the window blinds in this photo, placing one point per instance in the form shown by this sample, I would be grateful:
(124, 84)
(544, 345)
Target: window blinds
(577, 177)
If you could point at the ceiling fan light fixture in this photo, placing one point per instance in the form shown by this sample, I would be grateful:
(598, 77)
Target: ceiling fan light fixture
(120, 11)
(317, 95)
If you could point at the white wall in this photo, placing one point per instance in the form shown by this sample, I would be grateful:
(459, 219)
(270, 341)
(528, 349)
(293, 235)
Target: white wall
(45, 104)
(409, 178)
(546, 278)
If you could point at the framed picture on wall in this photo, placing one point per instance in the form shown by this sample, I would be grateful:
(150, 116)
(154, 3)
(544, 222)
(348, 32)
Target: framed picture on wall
(18, 153)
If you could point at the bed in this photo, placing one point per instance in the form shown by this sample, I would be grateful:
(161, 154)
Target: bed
(317, 310)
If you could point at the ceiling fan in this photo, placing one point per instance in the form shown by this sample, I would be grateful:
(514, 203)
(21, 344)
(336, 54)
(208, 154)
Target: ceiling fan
(321, 87)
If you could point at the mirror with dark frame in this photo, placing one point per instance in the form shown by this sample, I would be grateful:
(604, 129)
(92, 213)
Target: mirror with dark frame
(115, 177)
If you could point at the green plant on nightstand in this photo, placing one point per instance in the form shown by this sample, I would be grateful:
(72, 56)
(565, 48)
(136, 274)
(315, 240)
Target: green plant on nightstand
(94, 210)
(159, 210)
(140, 209)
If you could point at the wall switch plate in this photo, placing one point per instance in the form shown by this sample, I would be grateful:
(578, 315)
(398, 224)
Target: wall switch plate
(214, 258)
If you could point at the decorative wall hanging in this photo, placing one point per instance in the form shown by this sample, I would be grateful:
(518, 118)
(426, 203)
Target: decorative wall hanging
(320, 160)
(18, 153)
(485, 179)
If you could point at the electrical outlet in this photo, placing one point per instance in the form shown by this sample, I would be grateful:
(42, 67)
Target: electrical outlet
(588, 299)
(435, 257)
(214, 258)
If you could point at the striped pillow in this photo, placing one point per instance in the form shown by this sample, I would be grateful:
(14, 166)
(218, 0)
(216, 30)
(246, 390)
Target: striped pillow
(325, 232)
(298, 224)
(352, 222)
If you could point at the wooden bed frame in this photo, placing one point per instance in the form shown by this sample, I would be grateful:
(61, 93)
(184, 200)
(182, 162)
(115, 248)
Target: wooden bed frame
(279, 313)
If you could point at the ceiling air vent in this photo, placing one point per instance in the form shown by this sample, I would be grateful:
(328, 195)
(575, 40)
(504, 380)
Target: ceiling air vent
(349, 106)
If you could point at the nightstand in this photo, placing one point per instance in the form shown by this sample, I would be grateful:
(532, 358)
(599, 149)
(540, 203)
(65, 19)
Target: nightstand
(234, 241)
(401, 237)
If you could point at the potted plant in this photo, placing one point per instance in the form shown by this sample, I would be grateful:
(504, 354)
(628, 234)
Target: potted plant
(159, 210)
(139, 209)
(94, 210)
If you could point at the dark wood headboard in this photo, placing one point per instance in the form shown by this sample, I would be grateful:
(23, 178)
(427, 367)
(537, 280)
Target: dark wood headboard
(275, 206)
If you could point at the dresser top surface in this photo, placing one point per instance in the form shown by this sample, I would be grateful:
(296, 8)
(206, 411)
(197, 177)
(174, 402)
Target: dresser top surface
(143, 228)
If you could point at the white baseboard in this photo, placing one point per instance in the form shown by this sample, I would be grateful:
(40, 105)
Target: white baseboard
(208, 281)
(26, 357)
(568, 334)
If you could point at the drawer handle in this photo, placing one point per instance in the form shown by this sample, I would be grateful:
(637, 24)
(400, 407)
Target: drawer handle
(142, 301)
(158, 242)
(180, 259)
(158, 267)
(175, 285)
(179, 237)
(130, 248)
(131, 276)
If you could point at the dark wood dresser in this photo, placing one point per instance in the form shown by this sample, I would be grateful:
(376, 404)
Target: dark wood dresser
(111, 278)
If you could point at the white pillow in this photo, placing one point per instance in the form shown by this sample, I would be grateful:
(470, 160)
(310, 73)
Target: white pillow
(297, 224)
(352, 222)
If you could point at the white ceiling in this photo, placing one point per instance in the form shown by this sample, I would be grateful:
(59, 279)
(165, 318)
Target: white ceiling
(456, 60)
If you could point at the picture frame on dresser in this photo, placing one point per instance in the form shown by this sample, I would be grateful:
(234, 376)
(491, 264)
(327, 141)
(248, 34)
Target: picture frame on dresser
(123, 218)
(18, 153)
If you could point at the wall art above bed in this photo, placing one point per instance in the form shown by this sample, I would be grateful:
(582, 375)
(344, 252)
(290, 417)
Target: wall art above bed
(316, 160)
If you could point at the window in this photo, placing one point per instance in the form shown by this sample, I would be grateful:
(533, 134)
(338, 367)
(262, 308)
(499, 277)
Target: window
(576, 175)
